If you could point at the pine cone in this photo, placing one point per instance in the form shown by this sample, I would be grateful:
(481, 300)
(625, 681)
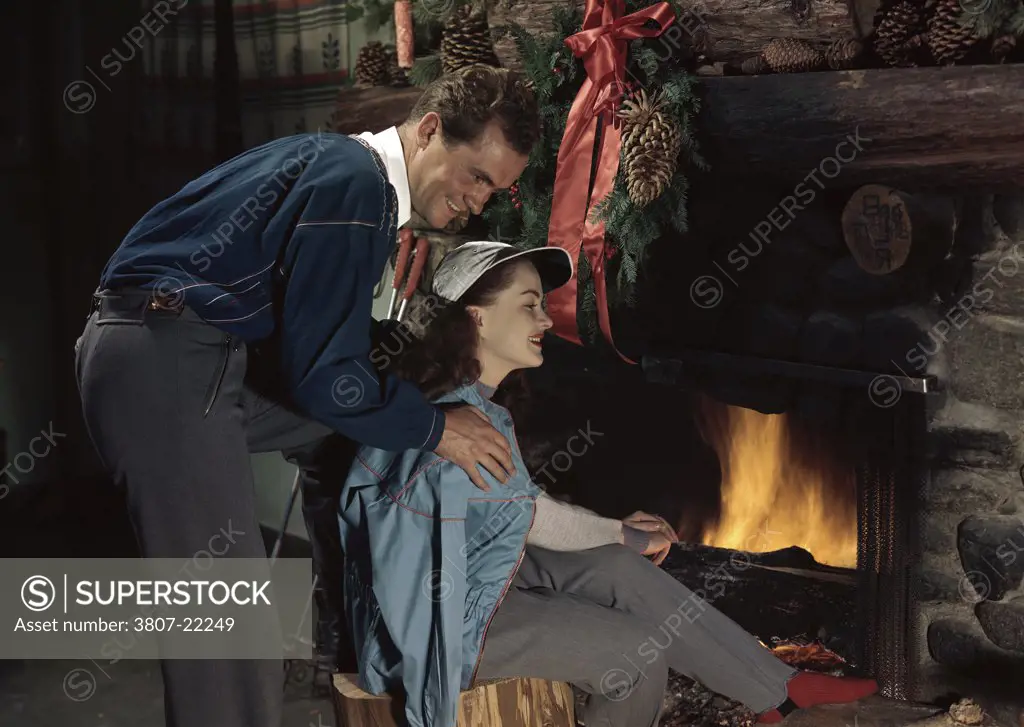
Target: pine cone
(843, 54)
(755, 66)
(466, 41)
(948, 40)
(791, 55)
(1002, 46)
(899, 33)
(372, 65)
(651, 142)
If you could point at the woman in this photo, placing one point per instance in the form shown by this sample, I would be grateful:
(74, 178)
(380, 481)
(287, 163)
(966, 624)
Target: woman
(447, 585)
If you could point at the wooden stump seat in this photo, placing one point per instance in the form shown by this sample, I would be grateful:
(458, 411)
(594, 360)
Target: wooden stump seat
(519, 702)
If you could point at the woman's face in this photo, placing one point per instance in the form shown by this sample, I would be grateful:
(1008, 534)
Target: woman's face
(512, 327)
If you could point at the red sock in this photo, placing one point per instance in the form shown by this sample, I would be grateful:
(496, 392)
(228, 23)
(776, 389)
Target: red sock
(808, 688)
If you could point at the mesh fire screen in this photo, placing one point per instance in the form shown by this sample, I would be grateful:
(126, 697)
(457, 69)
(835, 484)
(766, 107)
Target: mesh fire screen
(890, 482)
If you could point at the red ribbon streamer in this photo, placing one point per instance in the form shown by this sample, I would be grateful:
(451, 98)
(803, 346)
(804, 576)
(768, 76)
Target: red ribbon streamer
(602, 44)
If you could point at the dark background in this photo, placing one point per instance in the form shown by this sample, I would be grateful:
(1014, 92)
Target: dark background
(72, 186)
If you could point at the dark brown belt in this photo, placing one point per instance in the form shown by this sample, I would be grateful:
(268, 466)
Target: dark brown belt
(166, 302)
(128, 304)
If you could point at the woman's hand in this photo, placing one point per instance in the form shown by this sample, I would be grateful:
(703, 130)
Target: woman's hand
(661, 534)
(658, 546)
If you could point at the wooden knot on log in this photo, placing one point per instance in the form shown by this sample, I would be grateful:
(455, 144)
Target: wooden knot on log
(881, 223)
(801, 10)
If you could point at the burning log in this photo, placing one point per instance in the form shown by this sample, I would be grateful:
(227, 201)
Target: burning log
(783, 594)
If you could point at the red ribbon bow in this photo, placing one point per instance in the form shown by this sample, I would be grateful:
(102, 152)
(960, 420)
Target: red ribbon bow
(602, 44)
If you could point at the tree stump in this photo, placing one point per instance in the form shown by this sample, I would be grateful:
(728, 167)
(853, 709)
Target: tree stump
(519, 702)
(880, 223)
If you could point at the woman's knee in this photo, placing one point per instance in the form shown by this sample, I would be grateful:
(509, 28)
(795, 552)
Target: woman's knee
(619, 559)
(633, 650)
(628, 674)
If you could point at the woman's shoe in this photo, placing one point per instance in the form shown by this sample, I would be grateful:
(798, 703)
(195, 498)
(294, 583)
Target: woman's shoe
(808, 689)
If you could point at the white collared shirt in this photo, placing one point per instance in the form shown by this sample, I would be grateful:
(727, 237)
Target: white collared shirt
(388, 144)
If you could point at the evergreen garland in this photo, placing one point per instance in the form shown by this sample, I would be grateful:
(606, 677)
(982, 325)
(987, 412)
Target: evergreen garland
(994, 17)
(522, 217)
(425, 70)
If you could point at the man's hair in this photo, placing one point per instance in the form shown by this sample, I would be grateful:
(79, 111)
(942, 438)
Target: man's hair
(470, 98)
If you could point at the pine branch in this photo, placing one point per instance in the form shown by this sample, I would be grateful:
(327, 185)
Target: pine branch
(996, 18)
(1016, 22)
(378, 13)
(556, 76)
(425, 70)
(435, 12)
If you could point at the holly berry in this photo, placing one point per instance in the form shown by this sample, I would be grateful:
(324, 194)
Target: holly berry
(513, 192)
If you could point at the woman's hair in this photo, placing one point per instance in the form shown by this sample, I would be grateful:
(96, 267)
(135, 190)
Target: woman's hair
(444, 358)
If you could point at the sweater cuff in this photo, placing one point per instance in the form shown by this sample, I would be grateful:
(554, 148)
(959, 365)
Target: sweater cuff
(436, 431)
(637, 540)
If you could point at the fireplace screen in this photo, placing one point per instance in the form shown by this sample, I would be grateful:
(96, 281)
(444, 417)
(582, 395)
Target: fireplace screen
(890, 481)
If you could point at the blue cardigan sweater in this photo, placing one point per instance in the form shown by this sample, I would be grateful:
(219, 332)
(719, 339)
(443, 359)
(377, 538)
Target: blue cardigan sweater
(288, 240)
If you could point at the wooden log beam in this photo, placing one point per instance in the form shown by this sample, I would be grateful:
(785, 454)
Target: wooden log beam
(914, 128)
(721, 30)
(373, 109)
(734, 30)
(918, 128)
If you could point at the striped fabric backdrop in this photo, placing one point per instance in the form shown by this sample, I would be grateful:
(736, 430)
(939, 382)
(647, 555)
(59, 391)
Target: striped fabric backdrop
(179, 113)
(293, 56)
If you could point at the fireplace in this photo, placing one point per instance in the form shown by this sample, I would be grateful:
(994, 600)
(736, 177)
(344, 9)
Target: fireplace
(900, 392)
(845, 494)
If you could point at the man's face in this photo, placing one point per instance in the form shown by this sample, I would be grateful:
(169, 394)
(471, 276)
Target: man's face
(446, 182)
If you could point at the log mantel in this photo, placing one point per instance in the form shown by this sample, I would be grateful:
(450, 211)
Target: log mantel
(722, 30)
(372, 109)
(738, 29)
(920, 127)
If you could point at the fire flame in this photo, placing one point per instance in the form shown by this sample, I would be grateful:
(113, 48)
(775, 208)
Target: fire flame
(779, 488)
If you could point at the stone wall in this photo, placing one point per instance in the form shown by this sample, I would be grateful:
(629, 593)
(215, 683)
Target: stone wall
(974, 506)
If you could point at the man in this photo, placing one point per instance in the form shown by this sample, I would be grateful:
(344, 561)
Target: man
(235, 317)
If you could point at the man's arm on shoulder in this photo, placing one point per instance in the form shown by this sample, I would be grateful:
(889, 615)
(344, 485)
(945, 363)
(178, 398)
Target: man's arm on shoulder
(332, 267)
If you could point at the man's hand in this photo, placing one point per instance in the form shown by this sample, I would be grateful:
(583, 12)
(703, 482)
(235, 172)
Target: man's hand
(470, 440)
(662, 535)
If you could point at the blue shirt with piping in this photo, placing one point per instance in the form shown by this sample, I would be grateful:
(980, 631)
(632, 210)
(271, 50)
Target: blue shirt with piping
(288, 240)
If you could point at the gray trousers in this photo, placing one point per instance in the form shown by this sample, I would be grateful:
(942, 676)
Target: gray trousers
(173, 418)
(612, 623)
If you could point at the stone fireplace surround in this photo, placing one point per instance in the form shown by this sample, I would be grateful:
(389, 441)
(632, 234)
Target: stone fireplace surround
(951, 320)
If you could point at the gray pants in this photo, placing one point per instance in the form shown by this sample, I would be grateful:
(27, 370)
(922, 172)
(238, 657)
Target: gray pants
(612, 623)
(173, 418)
